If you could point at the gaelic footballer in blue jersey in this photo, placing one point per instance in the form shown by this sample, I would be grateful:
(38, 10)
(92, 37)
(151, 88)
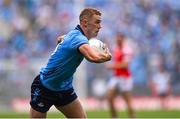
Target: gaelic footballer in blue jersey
(53, 86)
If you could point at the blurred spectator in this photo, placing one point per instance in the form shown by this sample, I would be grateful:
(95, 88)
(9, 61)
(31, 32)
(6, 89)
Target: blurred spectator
(160, 85)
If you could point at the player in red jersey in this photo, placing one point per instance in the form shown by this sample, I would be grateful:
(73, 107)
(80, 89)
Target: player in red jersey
(121, 81)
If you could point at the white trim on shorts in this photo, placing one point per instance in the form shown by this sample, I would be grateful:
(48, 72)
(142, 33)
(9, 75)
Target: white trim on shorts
(123, 84)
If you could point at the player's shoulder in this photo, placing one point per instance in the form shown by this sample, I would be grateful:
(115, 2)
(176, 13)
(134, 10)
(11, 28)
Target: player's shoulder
(76, 34)
(75, 38)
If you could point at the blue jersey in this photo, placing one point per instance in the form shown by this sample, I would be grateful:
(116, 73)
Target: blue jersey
(58, 73)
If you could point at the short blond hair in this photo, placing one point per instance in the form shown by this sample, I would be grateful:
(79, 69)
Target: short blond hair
(88, 13)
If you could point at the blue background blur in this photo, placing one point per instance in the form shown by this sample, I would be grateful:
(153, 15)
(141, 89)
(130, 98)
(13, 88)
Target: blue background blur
(29, 28)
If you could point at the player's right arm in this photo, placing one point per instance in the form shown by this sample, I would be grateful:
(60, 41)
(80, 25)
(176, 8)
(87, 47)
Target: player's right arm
(93, 55)
(118, 65)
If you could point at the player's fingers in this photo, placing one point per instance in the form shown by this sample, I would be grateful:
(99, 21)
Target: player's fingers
(105, 47)
(60, 38)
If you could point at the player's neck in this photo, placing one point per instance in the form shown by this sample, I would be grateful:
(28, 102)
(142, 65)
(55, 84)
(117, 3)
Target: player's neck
(84, 31)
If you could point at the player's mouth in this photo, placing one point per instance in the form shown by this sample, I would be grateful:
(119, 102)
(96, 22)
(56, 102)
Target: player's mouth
(97, 32)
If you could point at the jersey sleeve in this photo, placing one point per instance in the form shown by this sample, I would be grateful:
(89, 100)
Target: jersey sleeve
(78, 41)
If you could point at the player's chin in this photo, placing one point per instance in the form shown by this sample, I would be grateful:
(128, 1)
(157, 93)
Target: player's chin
(95, 35)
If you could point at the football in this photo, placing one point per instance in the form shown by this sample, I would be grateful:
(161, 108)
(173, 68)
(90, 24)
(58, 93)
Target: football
(97, 44)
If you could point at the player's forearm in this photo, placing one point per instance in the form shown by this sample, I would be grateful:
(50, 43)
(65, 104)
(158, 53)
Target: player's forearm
(122, 65)
(93, 55)
(103, 59)
(99, 57)
(117, 65)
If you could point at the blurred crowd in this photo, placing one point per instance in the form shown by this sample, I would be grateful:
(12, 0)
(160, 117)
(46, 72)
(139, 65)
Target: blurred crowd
(29, 28)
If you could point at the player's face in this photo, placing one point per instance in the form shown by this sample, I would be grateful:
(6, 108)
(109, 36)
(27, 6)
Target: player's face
(93, 26)
(120, 39)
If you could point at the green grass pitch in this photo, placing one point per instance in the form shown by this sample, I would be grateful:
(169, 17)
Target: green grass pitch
(103, 114)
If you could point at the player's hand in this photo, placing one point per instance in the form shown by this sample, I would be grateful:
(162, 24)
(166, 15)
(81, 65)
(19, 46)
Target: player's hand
(60, 39)
(106, 50)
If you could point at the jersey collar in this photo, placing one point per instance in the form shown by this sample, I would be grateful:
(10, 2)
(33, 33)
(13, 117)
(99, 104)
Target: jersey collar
(78, 27)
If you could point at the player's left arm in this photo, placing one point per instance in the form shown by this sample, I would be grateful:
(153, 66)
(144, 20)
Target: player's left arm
(60, 39)
(118, 65)
(123, 64)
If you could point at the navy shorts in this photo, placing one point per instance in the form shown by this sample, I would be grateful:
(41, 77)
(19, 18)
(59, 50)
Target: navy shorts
(42, 98)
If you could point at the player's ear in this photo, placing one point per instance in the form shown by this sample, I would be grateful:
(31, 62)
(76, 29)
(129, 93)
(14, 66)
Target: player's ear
(84, 22)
